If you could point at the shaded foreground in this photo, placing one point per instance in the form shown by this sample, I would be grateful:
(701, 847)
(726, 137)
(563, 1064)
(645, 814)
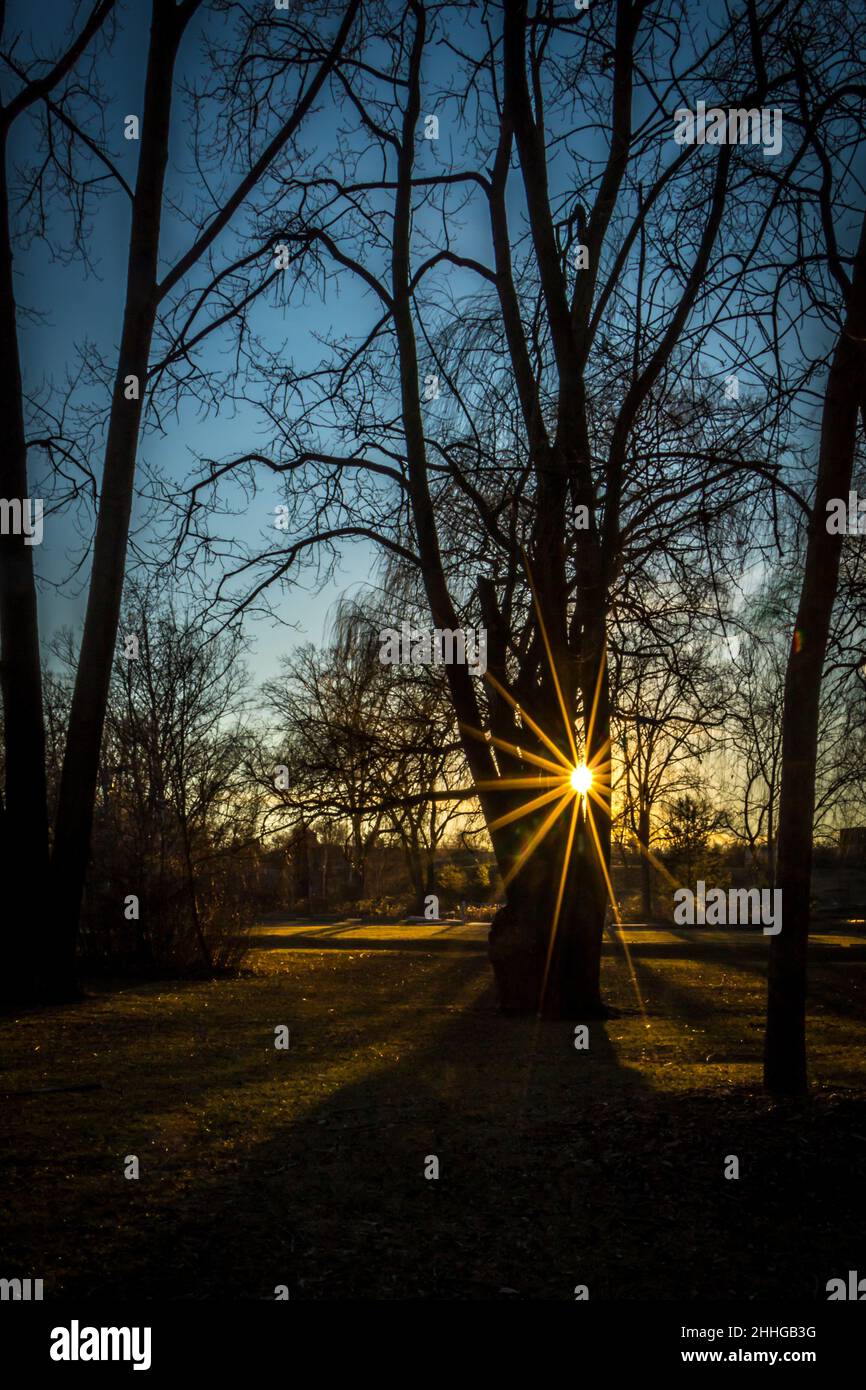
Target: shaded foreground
(558, 1167)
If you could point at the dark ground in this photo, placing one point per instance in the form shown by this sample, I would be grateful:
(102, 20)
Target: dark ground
(557, 1167)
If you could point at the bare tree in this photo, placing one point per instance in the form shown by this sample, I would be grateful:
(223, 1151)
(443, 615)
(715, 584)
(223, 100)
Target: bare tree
(666, 710)
(161, 306)
(831, 113)
(526, 501)
(365, 747)
(24, 843)
(176, 818)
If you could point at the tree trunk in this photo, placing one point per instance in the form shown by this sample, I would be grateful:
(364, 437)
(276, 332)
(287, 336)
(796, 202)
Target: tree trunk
(412, 862)
(93, 676)
(520, 936)
(539, 971)
(785, 1044)
(771, 839)
(201, 940)
(546, 957)
(25, 815)
(646, 886)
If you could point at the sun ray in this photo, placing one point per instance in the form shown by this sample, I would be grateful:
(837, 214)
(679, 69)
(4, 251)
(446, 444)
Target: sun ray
(601, 758)
(568, 784)
(619, 932)
(558, 908)
(604, 869)
(526, 809)
(538, 836)
(514, 749)
(590, 727)
(598, 798)
(543, 629)
(598, 758)
(515, 704)
(600, 781)
(601, 764)
(515, 783)
(657, 863)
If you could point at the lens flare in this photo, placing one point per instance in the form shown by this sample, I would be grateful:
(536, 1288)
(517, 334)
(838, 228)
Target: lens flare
(581, 779)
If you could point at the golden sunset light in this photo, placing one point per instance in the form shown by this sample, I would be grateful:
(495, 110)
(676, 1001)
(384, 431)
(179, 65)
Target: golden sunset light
(581, 779)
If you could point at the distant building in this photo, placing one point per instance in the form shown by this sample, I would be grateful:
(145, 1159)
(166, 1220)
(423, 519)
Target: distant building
(852, 844)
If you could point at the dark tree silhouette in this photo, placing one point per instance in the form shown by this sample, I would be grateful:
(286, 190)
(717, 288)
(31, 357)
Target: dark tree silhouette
(527, 502)
(24, 844)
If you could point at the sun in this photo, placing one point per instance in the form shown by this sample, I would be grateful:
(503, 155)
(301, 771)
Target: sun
(564, 779)
(581, 779)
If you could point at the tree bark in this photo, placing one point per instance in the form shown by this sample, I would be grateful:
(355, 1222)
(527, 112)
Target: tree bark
(547, 961)
(25, 808)
(785, 1069)
(24, 838)
(143, 294)
(87, 715)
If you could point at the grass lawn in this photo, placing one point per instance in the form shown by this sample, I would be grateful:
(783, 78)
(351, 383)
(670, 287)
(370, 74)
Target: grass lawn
(558, 1167)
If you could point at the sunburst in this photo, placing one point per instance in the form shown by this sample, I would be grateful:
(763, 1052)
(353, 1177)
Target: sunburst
(568, 779)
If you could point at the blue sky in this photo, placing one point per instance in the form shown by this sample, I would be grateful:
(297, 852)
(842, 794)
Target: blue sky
(73, 306)
(68, 304)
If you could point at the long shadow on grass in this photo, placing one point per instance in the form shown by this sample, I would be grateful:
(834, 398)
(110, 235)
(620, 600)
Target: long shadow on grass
(831, 983)
(556, 1168)
(333, 1199)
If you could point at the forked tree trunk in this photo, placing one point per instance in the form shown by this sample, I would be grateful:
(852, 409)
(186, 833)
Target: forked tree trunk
(785, 1045)
(520, 934)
